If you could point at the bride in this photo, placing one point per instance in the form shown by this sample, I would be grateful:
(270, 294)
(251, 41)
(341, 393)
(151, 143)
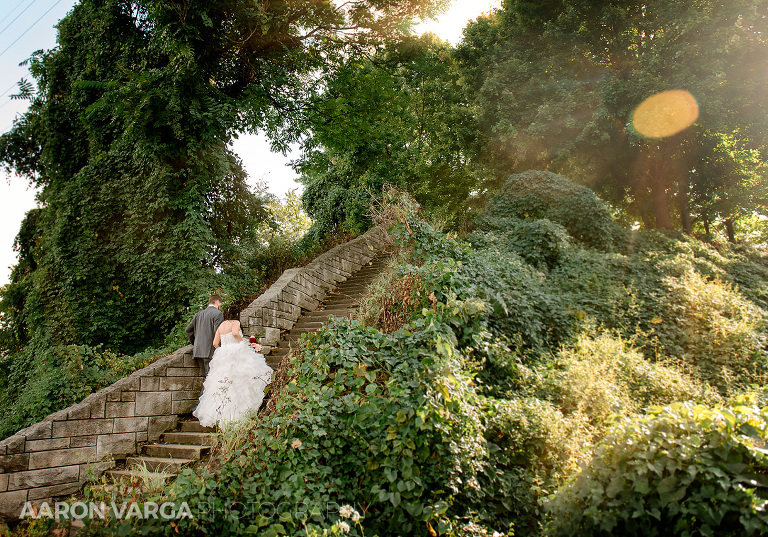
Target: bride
(236, 378)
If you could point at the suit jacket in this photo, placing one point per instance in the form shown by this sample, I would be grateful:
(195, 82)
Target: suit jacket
(202, 329)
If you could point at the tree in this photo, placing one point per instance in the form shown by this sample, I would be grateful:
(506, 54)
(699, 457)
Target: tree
(127, 136)
(556, 84)
(397, 117)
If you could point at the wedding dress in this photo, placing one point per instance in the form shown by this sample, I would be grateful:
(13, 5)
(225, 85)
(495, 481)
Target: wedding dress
(235, 383)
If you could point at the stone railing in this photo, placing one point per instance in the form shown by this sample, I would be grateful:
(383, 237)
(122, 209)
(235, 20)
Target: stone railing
(305, 288)
(53, 458)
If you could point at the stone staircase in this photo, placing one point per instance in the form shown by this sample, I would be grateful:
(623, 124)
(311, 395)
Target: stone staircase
(342, 301)
(187, 445)
(190, 442)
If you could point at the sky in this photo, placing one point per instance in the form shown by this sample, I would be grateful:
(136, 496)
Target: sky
(29, 25)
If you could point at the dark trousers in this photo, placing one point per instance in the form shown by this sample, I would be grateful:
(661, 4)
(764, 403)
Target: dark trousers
(203, 363)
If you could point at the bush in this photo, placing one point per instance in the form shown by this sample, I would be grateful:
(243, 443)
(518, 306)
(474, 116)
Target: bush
(540, 243)
(685, 469)
(601, 375)
(540, 194)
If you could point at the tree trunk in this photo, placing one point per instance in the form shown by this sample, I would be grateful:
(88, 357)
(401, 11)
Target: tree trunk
(647, 224)
(706, 227)
(660, 204)
(684, 206)
(729, 229)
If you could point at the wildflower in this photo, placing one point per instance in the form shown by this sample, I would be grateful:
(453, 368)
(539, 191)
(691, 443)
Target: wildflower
(296, 444)
(346, 511)
(343, 527)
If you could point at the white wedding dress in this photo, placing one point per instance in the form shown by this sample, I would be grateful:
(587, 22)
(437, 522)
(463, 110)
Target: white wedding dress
(237, 376)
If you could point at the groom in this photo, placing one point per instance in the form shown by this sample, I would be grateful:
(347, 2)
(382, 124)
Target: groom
(201, 331)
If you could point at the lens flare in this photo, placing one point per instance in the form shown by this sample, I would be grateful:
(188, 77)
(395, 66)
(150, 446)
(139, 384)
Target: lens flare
(665, 114)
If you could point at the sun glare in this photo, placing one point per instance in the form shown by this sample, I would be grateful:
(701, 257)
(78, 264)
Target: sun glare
(665, 114)
(450, 25)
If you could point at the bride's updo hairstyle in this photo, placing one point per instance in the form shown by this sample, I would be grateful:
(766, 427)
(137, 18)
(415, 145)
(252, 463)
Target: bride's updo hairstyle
(233, 313)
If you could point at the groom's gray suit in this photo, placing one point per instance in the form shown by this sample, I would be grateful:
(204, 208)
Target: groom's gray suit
(200, 333)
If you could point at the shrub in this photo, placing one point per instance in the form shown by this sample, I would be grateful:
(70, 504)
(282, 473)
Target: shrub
(602, 375)
(684, 469)
(540, 243)
(540, 194)
(719, 333)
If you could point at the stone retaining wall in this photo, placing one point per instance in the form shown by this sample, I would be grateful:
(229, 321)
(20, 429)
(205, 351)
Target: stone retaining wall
(305, 288)
(52, 458)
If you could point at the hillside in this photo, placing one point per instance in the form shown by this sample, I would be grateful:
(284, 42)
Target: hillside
(546, 373)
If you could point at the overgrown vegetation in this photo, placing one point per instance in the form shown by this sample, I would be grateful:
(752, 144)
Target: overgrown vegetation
(504, 395)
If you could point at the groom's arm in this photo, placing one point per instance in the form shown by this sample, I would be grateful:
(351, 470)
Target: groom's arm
(190, 331)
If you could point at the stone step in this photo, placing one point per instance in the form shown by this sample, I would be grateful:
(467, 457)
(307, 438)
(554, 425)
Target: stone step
(342, 304)
(193, 426)
(163, 464)
(199, 439)
(323, 314)
(306, 323)
(133, 475)
(177, 451)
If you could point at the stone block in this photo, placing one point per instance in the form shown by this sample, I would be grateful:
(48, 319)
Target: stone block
(150, 384)
(128, 396)
(120, 409)
(14, 463)
(130, 384)
(81, 427)
(43, 478)
(184, 406)
(79, 412)
(142, 436)
(116, 444)
(160, 424)
(113, 395)
(271, 337)
(335, 266)
(97, 406)
(15, 444)
(304, 300)
(350, 266)
(183, 371)
(158, 403)
(185, 394)
(189, 361)
(312, 289)
(82, 441)
(130, 425)
(54, 490)
(3, 482)
(38, 431)
(160, 371)
(12, 504)
(61, 457)
(49, 444)
(169, 384)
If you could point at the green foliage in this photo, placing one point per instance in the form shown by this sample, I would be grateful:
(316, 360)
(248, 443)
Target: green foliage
(545, 195)
(486, 382)
(555, 85)
(43, 381)
(384, 421)
(540, 243)
(399, 117)
(684, 469)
